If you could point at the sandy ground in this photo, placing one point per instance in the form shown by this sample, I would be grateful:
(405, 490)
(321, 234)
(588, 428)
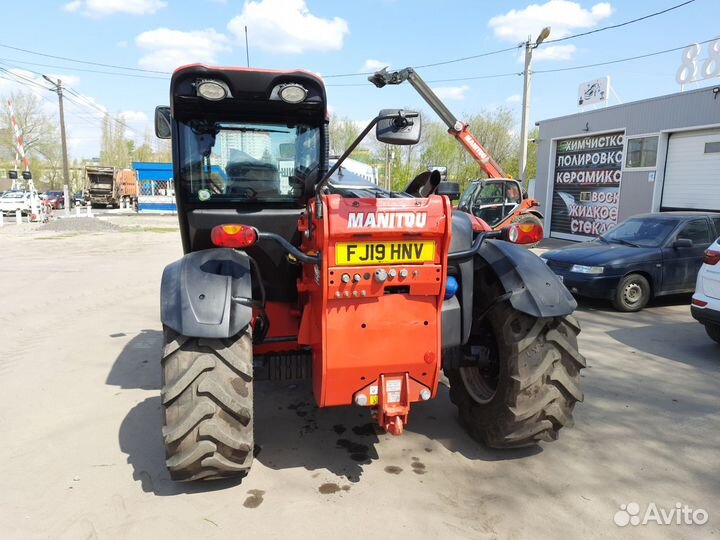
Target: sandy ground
(81, 453)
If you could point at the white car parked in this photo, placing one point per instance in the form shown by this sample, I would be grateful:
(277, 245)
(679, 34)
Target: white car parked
(705, 306)
(15, 200)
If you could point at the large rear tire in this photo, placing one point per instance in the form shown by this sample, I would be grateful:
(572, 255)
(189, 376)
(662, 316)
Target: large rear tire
(527, 390)
(207, 397)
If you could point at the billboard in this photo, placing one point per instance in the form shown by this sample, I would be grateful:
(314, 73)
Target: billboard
(586, 184)
(595, 91)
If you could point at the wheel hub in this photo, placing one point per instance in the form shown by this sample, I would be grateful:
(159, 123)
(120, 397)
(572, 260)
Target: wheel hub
(632, 292)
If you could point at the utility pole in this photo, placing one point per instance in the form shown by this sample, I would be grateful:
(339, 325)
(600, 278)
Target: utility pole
(527, 75)
(66, 172)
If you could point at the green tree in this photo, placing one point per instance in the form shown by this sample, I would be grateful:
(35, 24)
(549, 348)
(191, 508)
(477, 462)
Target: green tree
(343, 132)
(115, 149)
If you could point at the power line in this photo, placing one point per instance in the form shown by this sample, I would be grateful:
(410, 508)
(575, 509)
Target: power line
(441, 63)
(570, 68)
(85, 70)
(340, 75)
(619, 60)
(619, 25)
(493, 76)
(82, 100)
(489, 53)
(67, 59)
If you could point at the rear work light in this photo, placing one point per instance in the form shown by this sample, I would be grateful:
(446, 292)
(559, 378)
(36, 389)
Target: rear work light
(711, 257)
(524, 233)
(233, 236)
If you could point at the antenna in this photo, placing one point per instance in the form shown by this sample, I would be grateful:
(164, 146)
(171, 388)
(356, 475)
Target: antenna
(247, 49)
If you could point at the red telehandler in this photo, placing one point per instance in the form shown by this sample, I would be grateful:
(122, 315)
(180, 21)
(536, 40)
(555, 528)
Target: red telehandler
(292, 270)
(499, 201)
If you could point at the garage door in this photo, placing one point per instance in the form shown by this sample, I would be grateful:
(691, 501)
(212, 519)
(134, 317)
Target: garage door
(692, 171)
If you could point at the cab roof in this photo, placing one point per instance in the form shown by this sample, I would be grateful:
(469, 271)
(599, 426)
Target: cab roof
(250, 91)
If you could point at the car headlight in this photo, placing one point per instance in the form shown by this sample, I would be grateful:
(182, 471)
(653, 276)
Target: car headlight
(582, 269)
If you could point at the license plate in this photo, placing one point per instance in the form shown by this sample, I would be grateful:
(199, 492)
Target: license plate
(360, 253)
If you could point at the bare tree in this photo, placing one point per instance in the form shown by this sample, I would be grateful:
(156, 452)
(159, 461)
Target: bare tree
(39, 130)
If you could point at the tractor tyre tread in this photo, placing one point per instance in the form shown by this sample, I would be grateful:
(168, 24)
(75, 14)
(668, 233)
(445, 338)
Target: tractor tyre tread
(207, 407)
(538, 386)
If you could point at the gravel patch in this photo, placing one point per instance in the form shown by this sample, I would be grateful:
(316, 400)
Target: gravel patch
(83, 224)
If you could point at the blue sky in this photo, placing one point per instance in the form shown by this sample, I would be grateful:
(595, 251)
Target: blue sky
(334, 37)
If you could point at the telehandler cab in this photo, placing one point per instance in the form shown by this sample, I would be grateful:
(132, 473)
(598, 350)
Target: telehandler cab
(291, 271)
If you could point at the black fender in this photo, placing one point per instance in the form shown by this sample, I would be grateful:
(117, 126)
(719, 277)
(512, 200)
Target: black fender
(534, 288)
(207, 294)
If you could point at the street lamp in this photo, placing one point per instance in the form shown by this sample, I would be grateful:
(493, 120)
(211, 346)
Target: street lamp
(527, 74)
(66, 173)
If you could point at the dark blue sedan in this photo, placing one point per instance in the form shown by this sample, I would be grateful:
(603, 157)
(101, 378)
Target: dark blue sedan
(645, 256)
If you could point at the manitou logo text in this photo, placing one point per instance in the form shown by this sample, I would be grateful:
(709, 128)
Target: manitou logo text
(386, 220)
(472, 142)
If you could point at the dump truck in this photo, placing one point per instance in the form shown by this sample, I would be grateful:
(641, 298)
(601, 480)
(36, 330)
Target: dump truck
(369, 295)
(110, 186)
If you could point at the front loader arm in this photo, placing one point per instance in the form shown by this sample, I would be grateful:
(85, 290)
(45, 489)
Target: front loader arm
(458, 129)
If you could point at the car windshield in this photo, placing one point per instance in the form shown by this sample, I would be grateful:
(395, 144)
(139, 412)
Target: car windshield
(14, 195)
(641, 232)
(243, 162)
(466, 199)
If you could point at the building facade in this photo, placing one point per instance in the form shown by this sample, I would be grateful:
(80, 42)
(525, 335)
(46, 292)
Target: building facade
(599, 167)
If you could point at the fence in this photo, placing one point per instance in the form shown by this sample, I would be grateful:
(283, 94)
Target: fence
(156, 189)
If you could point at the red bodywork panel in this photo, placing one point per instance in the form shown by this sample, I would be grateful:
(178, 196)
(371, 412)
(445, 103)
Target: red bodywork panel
(361, 329)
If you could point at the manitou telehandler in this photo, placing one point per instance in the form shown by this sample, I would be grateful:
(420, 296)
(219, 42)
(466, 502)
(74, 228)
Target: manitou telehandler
(293, 271)
(498, 201)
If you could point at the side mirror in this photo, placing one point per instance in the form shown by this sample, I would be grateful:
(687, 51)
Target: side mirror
(683, 243)
(450, 189)
(163, 126)
(397, 126)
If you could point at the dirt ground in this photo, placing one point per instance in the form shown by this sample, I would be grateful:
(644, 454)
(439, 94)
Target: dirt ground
(81, 452)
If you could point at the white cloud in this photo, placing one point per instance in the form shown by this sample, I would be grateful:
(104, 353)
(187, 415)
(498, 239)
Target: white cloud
(169, 49)
(287, 26)
(554, 52)
(562, 16)
(73, 6)
(374, 65)
(515, 98)
(452, 93)
(67, 80)
(100, 8)
(133, 117)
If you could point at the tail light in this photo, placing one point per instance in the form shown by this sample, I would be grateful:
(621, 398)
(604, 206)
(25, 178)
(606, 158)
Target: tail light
(523, 233)
(233, 236)
(711, 257)
(699, 303)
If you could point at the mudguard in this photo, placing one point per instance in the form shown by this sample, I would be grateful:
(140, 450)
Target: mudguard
(536, 290)
(207, 294)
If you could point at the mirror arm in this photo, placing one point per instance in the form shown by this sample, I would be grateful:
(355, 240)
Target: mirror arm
(346, 154)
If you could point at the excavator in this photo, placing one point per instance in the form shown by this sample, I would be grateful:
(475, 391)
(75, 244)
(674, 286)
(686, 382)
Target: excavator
(498, 201)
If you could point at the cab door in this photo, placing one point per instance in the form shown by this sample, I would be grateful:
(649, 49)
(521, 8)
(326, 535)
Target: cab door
(681, 264)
